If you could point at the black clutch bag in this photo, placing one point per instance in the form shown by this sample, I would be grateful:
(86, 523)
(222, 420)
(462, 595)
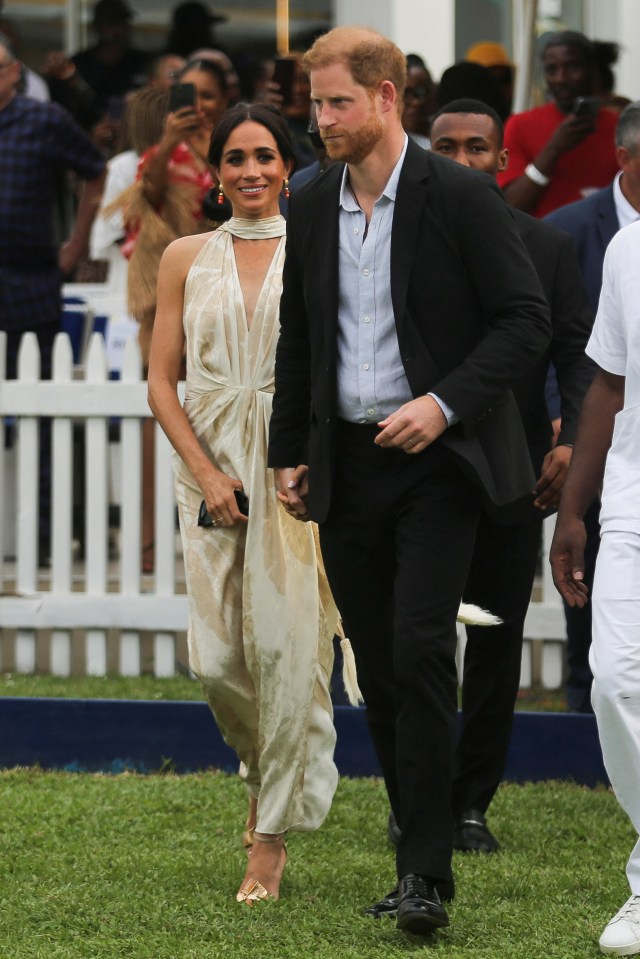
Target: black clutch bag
(204, 517)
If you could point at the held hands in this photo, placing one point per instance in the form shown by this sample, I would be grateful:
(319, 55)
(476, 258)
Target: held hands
(567, 560)
(292, 490)
(554, 472)
(414, 426)
(218, 494)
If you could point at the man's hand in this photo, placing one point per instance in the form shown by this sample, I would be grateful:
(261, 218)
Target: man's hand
(292, 490)
(58, 65)
(567, 560)
(571, 132)
(414, 426)
(269, 93)
(554, 472)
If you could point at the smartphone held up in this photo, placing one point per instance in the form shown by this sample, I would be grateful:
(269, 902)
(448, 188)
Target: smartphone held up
(586, 107)
(284, 75)
(182, 95)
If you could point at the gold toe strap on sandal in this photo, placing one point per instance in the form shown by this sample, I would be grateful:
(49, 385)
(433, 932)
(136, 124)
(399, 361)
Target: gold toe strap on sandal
(251, 891)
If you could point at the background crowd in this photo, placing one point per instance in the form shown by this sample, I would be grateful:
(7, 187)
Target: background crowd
(100, 126)
(105, 160)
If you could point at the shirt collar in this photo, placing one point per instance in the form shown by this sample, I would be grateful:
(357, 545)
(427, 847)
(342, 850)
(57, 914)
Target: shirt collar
(625, 212)
(347, 200)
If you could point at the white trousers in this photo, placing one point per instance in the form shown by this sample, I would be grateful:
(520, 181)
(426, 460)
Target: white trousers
(615, 663)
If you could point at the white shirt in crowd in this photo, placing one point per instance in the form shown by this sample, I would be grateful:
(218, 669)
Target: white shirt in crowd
(615, 346)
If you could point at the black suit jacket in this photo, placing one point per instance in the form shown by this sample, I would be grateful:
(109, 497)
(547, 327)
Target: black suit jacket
(469, 312)
(592, 223)
(553, 256)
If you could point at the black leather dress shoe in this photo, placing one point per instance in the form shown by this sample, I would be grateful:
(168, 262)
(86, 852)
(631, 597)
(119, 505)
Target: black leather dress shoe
(385, 907)
(419, 909)
(471, 833)
(446, 889)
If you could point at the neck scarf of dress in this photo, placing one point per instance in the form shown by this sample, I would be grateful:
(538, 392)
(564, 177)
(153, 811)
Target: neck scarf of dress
(266, 229)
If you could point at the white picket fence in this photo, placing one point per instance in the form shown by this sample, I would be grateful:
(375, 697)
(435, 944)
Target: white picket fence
(95, 596)
(42, 611)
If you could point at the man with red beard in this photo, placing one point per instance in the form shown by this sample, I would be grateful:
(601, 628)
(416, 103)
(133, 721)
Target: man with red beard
(409, 308)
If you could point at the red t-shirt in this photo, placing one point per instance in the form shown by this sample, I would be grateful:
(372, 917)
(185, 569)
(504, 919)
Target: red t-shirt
(587, 167)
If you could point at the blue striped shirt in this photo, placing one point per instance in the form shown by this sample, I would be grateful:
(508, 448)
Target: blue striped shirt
(371, 379)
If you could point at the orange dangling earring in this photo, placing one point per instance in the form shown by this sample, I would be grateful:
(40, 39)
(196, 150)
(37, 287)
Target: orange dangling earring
(285, 189)
(220, 195)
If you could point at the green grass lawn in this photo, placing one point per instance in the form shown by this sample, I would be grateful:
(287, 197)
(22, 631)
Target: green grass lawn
(146, 867)
(177, 687)
(100, 687)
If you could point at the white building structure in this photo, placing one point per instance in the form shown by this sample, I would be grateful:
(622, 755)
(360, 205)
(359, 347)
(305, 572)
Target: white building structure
(438, 30)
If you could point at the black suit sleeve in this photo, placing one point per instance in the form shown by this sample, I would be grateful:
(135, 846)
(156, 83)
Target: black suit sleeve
(572, 323)
(289, 426)
(510, 302)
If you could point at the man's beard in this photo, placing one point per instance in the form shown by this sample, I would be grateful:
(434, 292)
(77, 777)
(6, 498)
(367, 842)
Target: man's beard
(355, 146)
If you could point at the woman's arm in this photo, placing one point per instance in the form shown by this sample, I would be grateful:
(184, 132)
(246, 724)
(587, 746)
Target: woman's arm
(178, 126)
(164, 367)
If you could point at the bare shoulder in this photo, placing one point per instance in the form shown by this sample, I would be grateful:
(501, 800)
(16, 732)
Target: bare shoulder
(180, 254)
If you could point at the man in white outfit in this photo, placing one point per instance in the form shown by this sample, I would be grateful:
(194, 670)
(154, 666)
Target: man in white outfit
(608, 445)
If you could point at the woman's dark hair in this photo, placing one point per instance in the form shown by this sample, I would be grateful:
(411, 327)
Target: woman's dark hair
(205, 66)
(262, 113)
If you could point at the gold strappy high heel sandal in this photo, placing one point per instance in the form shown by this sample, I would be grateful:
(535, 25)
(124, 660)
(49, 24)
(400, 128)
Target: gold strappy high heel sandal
(251, 889)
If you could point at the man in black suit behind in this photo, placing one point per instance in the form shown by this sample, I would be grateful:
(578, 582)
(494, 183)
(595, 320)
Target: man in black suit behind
(505, 556)
(409, 308)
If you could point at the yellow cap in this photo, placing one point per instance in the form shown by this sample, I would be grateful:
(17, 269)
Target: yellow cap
(488, 53)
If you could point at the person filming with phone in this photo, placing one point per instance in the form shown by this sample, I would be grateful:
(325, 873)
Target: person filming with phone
(164, 203)
(173, 178)
(563, 151)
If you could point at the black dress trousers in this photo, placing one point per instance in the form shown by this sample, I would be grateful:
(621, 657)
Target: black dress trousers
(397, 545)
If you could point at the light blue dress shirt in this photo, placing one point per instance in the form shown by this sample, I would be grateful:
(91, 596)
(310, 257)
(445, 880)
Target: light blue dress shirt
(371, 379)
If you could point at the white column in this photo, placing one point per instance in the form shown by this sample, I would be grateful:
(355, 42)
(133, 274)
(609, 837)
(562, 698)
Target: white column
(72, 27)
(425, 27)
(619, 20)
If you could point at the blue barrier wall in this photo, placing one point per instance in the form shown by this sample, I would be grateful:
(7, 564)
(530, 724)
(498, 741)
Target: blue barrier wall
(113, 735)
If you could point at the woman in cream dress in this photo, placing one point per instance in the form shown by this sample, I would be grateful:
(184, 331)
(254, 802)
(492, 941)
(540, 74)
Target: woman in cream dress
(261, 615)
